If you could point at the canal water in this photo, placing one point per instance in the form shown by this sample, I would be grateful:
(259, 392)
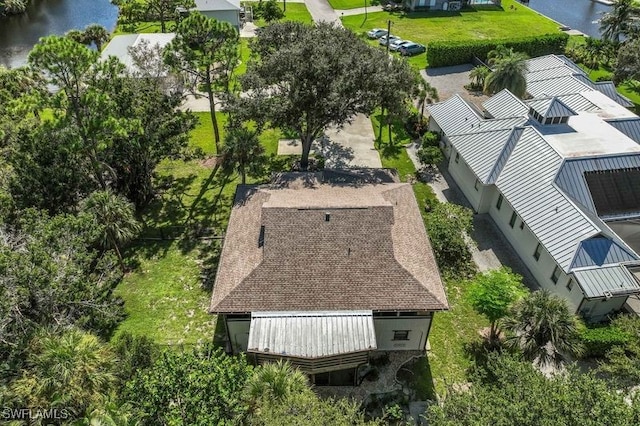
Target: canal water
(581, 15)
(18, 34)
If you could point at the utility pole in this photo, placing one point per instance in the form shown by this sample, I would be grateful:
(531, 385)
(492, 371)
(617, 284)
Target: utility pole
(285, 6)
(388, 34)
(365, 10)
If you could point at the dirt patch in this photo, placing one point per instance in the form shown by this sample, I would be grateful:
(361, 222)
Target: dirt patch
(210, 162)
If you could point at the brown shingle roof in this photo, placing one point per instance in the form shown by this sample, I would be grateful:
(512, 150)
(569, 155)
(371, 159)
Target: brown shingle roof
(332, 241)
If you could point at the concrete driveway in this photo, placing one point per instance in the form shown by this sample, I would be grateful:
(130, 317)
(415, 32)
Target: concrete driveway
(450, 81)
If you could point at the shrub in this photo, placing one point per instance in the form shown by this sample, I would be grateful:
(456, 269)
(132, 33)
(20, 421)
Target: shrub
(430, 155)
(445, 53)
(599, 339)
(430, 139)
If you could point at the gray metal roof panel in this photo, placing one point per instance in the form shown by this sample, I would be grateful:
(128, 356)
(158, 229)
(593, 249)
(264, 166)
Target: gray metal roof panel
(312, 334)
(526, 181)
(577, 102)
(214, 5)
(545, 74)
(557, 86)
(597, 282)
(600, 251)
(629, 126)
(453, 115)
(550, 107)
(481, 150)
(505, 104)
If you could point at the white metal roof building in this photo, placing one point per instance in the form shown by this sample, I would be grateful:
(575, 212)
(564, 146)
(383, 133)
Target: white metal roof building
(120, 46)
(560, 175)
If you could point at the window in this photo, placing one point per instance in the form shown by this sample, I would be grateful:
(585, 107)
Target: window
(522, 224)
(555, 275)
(261, 237)
(401, 334)
(457, 157)
(477, 184)
(570, 284)
(536, 254)
(548, 120)
(499, 203)
(512, 221)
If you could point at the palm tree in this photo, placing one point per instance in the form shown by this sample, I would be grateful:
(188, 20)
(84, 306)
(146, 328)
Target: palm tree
(243, 153)
(115, 215)
(499, 53)
(97, 34)
(543, 328)
(478, 75)
(275, 382)
(72, 370)
(508, 73)
(426, 94)
(620, 20)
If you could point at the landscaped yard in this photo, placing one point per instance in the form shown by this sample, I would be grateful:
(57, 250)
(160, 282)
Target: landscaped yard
(485, 22)
(295, 12)
(349, 4)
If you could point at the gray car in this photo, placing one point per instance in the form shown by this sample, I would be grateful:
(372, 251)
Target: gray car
(376, 33)
(396, 45)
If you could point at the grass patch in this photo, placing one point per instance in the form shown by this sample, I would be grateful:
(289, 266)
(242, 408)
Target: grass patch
(295, 12)
(349, 4)
(512, 20)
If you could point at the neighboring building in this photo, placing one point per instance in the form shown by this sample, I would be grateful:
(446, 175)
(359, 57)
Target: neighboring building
(560, 175)
(434, 4)
(222, 10)
(322, 269)
(120, 46)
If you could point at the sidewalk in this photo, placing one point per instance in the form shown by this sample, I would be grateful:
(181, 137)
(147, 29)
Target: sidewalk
(358, 10)
(321, 10)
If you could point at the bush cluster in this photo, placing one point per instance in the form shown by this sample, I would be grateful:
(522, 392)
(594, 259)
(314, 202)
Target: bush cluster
(599, 340)
(445, 53)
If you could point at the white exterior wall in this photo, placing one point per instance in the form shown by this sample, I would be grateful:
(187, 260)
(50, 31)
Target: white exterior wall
(598, 309)
(238, 330)
(466, 180)
(524, 242)
(418, 332)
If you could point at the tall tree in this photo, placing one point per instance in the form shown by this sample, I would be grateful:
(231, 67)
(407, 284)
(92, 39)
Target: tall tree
(478, 75)
(618, 22)
(243, 152)
(492, 293)
(114, 215)
(305, 78)
(543, 328)
(201, 51)
(628, 63)
(508, 73)
(96, 34)
(71, 371)
(165, 10)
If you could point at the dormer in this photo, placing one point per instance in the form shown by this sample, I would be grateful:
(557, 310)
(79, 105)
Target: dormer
(548, 111)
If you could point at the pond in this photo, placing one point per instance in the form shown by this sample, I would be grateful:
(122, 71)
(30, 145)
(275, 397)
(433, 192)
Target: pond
(18, 34)
(581, 15)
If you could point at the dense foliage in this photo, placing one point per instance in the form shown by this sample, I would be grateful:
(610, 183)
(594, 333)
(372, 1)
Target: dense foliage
(445, 53)
(448, 226)
(506, 391)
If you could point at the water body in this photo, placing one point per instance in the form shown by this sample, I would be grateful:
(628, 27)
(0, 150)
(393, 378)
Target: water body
(581, 15)
(18, 34)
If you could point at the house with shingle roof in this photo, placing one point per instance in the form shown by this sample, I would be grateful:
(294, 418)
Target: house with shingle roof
(559, 173)
(324, 269)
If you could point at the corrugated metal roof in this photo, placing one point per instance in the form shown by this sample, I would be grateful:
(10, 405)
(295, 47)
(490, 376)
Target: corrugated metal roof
(481, 150)
(628, 126)
(312, 334)
(556, 86)
(551, 61)
(545, 74)
(577, 102)
(505, 104)
(600, 251)
(213, 5)
(571, 179)
(607, 281)
(550, 107)
(454, 115)
(607, 88)
(120, 44)
(526, 181)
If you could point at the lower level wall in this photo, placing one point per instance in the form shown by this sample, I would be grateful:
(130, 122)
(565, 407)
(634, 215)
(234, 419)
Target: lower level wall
(417, 327)
(238, 333)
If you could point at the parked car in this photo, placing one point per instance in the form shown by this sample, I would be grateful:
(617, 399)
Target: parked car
(387, 39)
(393, 7)
(412, 49)
(396, 45)
(377, 33)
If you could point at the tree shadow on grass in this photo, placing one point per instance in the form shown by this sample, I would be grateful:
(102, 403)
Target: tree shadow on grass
(417, 376)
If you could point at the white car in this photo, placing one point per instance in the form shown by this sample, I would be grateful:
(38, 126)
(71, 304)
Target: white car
(396, 45)
(387, 39)
(376, 33)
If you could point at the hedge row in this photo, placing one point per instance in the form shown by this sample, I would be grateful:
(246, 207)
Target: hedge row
(598, 340)
(445, 53)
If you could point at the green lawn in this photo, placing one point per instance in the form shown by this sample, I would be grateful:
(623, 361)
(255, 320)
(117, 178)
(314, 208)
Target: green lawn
(295, 12)
(469, 24)
(348, 4)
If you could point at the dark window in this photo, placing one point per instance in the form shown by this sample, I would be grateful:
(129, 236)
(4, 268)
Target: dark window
(457, 157)
(522, 224)
(536, 254)
(385, 314)
(570, 284)
(512, 221)
(408, 314)
(548, 120)
(327, 217)
(261, 237)
(555, 275)
(556, 120)
(477, 184)
(615, 191)
(564, 120)
(499, 203)
(401, 334)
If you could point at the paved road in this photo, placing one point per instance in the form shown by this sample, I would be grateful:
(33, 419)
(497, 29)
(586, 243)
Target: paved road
(321, 10)
(358, 10)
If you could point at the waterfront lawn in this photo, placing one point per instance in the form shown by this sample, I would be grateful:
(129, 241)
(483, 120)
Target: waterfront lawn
(512, 20)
